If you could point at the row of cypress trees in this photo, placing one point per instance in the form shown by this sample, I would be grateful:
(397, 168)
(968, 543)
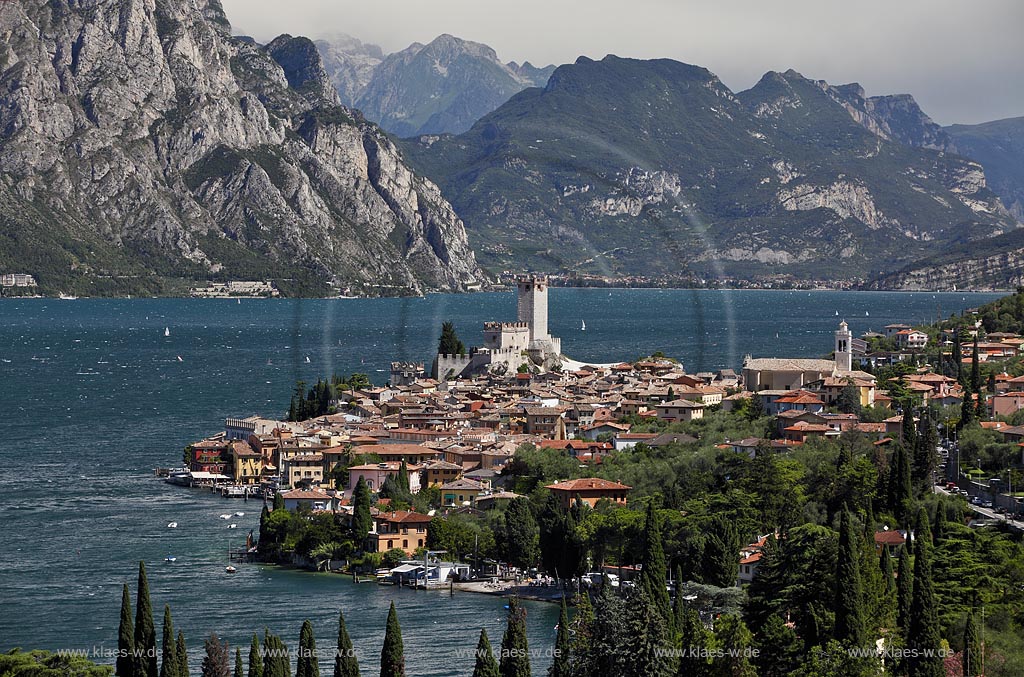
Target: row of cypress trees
(137, 652)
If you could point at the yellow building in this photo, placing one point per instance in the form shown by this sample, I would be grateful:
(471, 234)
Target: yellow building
(247, 463)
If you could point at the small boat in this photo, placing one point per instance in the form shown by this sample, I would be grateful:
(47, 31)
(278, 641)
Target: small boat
(179, 359)
(307, 359)
(232, 526)
(866, 314)
(239, 514)
(226, 516)
(167, 331)
(170, 558)
(583, 327)
(172, 525)
(230, 569)
(837, 313)
(239, 301)
(66, 297)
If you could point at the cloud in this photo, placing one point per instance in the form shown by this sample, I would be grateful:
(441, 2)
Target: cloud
(962, 60)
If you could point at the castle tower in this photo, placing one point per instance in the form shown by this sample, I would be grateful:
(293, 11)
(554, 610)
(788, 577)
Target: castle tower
(844, 355)
(533, 305)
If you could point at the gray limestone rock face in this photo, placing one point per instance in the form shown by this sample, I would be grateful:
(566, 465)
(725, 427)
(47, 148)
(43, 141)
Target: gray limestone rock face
(143, 128)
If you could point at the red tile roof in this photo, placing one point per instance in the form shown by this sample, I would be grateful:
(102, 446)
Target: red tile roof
(588, 484)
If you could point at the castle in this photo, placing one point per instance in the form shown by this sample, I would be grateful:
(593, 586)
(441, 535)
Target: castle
(508, 346)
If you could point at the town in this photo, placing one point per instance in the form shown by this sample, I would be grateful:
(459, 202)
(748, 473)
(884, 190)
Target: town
(456, 442)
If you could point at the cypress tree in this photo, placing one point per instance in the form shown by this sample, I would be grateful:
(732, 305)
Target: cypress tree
(904, 589)
(924, 620)
(972, 647)
(361, 520)
(255, 659)
(975, 367)
(275, 657)
(901, 491)
(678, 608)
(125, 664)
(561, 666)
(215, 662)
(849, 628)
(958, 356)
(346, 663)
(885, 564)
(392, 656)
(182, 655)
(278, 501)
(653, 573)
(693, 641)
(968, 412)
(485, 666)
(307, 665)
(145, 633)
(909, 426)
(515, 658)
(239, 670)
(924, 453)
(169, 655)
(582, 635)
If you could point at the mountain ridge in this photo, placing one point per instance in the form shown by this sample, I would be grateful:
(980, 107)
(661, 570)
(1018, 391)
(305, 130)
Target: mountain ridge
(143, 147)
(648, 157)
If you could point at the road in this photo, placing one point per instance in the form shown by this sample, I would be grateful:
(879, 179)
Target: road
(986, 512)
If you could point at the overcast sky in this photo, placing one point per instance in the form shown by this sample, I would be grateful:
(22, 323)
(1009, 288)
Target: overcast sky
(962, 60)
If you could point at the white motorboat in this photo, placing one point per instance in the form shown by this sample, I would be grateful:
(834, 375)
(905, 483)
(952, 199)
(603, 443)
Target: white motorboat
(172, 525)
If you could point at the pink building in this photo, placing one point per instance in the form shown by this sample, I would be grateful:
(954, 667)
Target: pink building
(376, 473)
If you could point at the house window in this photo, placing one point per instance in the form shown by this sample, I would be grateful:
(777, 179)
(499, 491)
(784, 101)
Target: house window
(405, 543)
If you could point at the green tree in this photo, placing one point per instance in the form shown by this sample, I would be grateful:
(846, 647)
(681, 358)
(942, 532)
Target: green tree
(693, 642)
(975, 368)
(515, 657)
(145, 632)
(779, 648)
(449, 343)
(972, 647)
(909, 427)
(849, 628)
(848, 401)
(239, 670)
(733, 637)
(392, 655)
(720, 565)
(485, 666)
(124, 666)
(275, 657)
(968, 411)
(307, 665)
(216, 660)
(900, 491)
(346, 663)
(561, 666)
(182, 655)
(520, 534)
(255, 660)
(653, 572)
(904, 589)
(924, 633)
(362, 522)
(924, 454)
(169, 652)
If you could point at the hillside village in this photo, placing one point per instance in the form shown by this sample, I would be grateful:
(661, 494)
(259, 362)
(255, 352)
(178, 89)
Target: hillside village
(454, 441)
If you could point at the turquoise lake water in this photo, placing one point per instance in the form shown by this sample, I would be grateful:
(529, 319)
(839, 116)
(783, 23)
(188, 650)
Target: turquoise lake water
(93, 397)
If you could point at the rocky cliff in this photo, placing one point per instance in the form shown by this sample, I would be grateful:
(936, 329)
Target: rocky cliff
(141, 144)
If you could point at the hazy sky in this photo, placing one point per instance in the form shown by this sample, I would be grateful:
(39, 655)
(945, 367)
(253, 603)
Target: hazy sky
(962, 60)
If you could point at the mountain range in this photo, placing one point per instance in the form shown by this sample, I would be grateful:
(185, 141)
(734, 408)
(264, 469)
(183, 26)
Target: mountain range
(626, 167)
(142, 147)
(441, 87)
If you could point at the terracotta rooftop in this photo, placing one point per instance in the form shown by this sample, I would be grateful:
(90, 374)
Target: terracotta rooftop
(588, 484)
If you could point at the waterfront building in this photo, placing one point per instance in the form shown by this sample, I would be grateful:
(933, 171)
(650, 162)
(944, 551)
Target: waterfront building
(398, 529)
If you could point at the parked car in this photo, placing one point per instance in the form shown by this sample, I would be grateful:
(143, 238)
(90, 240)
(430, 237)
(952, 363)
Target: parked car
(987, 504)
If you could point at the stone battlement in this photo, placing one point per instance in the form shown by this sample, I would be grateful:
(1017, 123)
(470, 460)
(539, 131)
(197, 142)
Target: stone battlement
(505, 326)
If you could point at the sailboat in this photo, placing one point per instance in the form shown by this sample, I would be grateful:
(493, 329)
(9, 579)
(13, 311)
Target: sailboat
(307, 359)
(583, 327)
(229, 569)
(167, 331)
